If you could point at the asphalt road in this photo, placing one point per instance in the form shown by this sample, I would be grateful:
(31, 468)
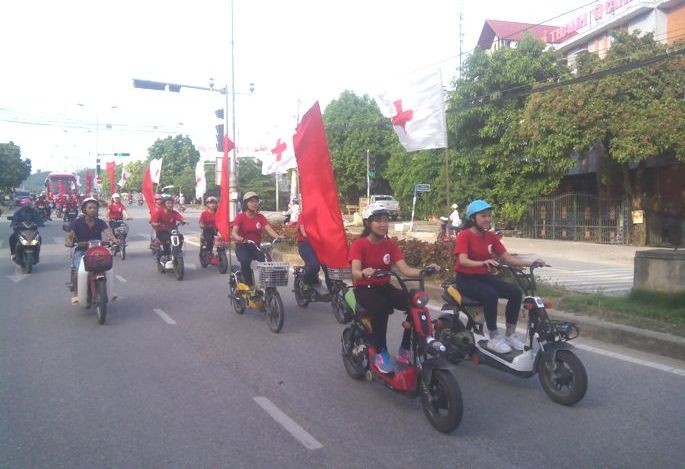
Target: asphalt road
(177, 379)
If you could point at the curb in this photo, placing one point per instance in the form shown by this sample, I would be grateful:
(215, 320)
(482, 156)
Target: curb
(644, 340)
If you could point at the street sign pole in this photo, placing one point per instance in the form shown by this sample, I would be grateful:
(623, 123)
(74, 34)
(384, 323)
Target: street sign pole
(417, 188)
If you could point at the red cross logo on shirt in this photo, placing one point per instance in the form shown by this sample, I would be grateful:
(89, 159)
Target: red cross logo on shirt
(402, 117)
(279, 149)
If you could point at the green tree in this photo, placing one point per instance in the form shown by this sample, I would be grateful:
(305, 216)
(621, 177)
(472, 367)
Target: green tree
(354, 124)
(178, 168)
(251, 179)
(631, 115)
(492, 159)
(13, 169)
(136, 171)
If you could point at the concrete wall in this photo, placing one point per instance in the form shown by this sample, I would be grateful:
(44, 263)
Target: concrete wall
(660, 270)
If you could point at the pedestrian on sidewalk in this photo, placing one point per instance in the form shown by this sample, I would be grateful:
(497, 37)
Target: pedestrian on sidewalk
(479, 250)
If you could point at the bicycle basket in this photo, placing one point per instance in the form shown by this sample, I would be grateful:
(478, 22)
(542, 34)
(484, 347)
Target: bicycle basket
(273, 274)
(121, 230)
(97, 259)
(339, 274)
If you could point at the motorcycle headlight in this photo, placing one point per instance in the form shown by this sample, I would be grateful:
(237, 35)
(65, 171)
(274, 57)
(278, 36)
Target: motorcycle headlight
(420, 299)
(35, 242)
(24, 241)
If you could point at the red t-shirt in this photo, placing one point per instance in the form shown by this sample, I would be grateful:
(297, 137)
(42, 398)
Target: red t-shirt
(250, 227)
(208, 219)
(115, 211)
(167, 219)
(380, 256)
(477, 248)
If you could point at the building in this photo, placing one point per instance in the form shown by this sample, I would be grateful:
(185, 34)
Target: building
(497, 34)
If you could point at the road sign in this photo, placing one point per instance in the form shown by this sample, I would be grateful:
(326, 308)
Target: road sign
(98, 179)
(422, 188)
(122, 154)
(372, 174)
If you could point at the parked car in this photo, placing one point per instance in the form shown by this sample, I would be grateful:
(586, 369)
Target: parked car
(388, 202)
(18, 195)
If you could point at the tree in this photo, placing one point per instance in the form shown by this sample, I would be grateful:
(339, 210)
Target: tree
(135, 170)
(354, 124)
(632, 115)
(251, 179)
(492, 159)
(178, 168)
(14, 169)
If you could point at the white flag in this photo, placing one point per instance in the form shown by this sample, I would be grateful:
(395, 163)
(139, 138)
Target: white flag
(416, 109)
(124, 178)
(277, 155)
(156, 170)
(200, 180)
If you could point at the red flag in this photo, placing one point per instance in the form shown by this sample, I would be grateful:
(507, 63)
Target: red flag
(321, 214)
(60, 188)
(223, 213)
(148, 191)
(111, 173)
(89, 183)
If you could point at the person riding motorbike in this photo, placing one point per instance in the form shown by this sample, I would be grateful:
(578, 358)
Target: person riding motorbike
(374, 251)
(208, 224)
(116, 211)
(293, 212)
(163, 221)
(159, 204)
(478, 250)
(311, 261)
(26, 212)
(248, 225)
(83, 229)
(455, 219)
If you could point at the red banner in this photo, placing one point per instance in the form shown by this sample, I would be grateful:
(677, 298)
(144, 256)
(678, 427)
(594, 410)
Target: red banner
(321, 214)
(89, 183)
(223, 213)
(148, 191)
(111, 173)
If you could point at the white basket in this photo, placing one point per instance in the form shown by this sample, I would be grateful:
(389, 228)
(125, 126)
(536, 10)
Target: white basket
(340, 273)
(273, 274)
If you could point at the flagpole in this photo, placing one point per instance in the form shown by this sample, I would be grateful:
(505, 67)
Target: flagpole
(447, 177)
(277, 191)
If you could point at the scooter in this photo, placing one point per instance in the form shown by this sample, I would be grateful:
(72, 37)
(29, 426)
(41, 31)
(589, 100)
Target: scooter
(174, 262)
(27, 247)
(547, 351)
(70, 213)
(91, 277)
(335, 281)
(427, 374)
(219, 259)
(446, 233)
(120, 230)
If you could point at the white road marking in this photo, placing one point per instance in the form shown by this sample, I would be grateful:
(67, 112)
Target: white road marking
(2, 243)
(120, 278)
(190, 266)
(18, 276)
(165, 317)
(144, 235)
(192, 243)
(59, 240)
(289, 424)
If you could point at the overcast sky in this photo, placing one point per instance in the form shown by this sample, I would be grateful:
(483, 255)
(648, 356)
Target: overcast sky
(59, 54)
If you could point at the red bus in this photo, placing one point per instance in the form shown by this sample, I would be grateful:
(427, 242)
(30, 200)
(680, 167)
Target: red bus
(57, 184)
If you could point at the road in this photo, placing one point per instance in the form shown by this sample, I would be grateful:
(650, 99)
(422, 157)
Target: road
(177, 379)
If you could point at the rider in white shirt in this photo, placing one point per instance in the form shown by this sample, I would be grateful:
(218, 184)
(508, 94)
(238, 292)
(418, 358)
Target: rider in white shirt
(455, 220)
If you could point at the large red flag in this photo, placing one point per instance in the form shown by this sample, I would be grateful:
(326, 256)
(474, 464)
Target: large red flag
(89, 183)
(321, 214)
(223, 213)
(111, 173)
(148, 191)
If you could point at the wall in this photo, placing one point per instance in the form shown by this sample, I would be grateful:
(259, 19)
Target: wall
(676, 24)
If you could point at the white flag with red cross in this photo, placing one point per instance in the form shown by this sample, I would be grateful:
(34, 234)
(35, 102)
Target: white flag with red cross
(416, 108)
(156, 169)
(277, 154)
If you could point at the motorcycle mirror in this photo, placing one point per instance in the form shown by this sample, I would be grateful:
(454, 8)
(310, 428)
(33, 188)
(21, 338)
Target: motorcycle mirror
(65, 227)
(10, 217)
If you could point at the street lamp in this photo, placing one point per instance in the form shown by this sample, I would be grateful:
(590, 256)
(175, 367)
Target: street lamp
(97, 135)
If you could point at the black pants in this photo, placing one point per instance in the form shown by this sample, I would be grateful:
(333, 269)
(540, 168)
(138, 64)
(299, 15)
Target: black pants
(380, 301)
(165, 238)
(207, 244)
(246, 253)
(311, 263)
(487, 289)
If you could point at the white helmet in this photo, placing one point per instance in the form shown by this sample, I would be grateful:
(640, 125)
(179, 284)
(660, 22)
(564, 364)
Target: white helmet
(116, 196)
(374, 209)
(455, 206)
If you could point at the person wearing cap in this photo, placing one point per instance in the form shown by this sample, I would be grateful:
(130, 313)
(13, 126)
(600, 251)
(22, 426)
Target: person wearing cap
(26, 212)
(478, 250)
(159, 205)
(293, 212)
(208, 224)
(247, 233)
(163, 221)
(371, 252)
(116, 211)
(455, 219)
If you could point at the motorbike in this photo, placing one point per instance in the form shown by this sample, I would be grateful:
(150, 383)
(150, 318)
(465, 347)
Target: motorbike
(120, 230)
(173, 262)
(426, 375)
(547, 351)
(91, 277)
(70, 213)
(27, 247)
(219, 259)
(446, 233)
(335, 281)
(44, 210)
(140, 202)
(266, 297)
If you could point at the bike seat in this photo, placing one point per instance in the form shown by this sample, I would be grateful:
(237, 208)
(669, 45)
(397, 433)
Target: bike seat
(454, 297)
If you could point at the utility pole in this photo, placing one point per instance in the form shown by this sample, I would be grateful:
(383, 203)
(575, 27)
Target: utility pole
(368, 178)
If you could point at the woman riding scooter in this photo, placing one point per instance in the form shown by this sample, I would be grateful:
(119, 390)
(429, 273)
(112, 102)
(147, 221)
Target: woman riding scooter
(208, 225)
(371, 252)
(163, 221)
(478, 250)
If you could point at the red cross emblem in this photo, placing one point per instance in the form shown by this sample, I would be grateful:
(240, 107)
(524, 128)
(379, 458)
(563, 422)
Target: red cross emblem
(279, 149)
(402, 117)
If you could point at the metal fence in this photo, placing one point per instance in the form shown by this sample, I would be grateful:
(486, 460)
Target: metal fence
(580, 217)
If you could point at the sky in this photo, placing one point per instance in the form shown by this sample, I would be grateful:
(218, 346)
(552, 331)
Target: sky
(66, 87)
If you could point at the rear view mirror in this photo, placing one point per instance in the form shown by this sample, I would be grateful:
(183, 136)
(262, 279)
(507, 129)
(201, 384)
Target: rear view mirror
(10, 217)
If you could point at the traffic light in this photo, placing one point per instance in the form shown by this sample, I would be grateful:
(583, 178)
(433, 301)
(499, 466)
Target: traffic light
(372, 165)
(220, 137)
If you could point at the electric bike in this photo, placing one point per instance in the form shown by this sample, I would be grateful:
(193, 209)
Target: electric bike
(208, 257)
(91, 277)
(266, 297)
(120, 230)
(426, 374)
(335, 282)
(174, 261)
(547, 351)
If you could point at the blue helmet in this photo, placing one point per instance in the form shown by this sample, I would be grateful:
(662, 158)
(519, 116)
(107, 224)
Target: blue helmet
(477, 206)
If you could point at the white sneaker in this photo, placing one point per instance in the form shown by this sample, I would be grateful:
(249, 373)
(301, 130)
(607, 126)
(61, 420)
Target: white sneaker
(514, 341)
(498, 344)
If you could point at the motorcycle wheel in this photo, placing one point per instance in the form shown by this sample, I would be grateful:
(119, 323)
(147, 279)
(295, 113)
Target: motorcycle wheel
(442, 402)
(223, 262)
(160, 267)
(355, 366)
(238, 303)
(178, 268)
(203, 259)
(441, 237)
(274, 310)
(301, 300)
(566, 381)
(123, 249)
(340, 309)
(101, 300)
(28, 262)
